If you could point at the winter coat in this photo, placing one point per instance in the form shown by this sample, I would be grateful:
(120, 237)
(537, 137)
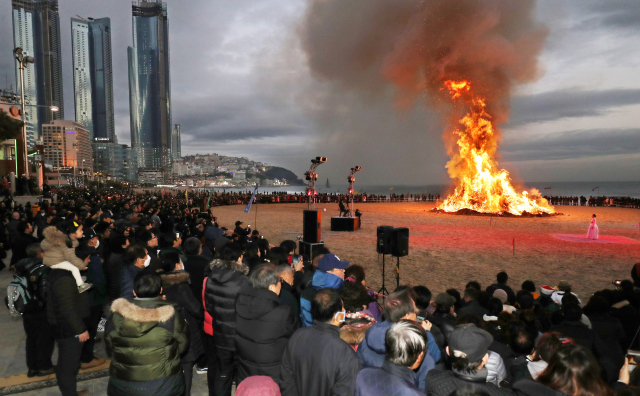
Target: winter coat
(612, 334)
(226, 279)
(371, 350)
(144, 339)
(37, 280)
(445, 322)
(95, 276)
(511, 296)
(19, 247)
(66, 308)
(527, 387)
(473, 307)
(56, 250)
(208, 320)
(112, 272)
(445, 382)
(287, 297)
(390, 379)
(321, 280)
(263, 328)
(195, 266)
(175, 286)
(127, 275)
(317, 362)
(497, 372)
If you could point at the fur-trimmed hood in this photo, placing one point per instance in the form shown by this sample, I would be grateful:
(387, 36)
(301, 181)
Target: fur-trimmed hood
(174, 278)
(133, 319)
(232, 265)
(55, 237)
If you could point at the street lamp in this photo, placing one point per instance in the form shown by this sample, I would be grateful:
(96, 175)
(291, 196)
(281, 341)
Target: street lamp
(23, 61)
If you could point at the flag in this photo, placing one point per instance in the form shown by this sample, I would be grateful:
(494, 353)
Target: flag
(186, 195)
(209, 199)
(248, 208)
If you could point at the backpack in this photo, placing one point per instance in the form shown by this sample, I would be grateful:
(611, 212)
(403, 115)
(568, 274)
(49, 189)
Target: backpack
(21, 298)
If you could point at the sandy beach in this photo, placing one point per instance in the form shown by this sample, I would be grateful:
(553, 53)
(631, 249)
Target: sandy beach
(448, 251)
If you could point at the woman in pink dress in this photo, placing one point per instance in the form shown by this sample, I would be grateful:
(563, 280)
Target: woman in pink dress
(593, 229)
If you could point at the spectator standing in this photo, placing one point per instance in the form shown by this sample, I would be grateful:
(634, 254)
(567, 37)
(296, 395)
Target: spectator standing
(227, 276)
(136, 259)
(316, 361)
(263, 325)
(330, 274)
(287, 295)
(406, 346)
(21, 242)
(145, 337)
(115, 264)
(195, 265)
(502, 278)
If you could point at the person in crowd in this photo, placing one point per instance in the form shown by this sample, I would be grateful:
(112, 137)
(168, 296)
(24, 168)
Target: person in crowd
(175, 286)
(330, 274)
(171, 242)
(316, 361)
(67, 311)
(48, 218)
(195, 264)
(607, 327)
(136, 259)
(406, 347)
(226, 277)
(572, 370)
(115, 264)
(564, 287)
(546, 346)
(97, 297)
(243, 233)
(397, 306)
(287, 296)
(12, 227)
(471, 303)
(468, 351)
(356, 274)
(501, 295)
(59, 246)
(502, 278)
(263, 324)
(149, 240)
(145, 337)
(21, 242)
(529, 286)
(444, 316)
(423, 304)
(40, 341)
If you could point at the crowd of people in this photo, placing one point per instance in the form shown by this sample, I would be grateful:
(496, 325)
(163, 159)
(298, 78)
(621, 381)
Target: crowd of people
(626, 202)
(175, 292)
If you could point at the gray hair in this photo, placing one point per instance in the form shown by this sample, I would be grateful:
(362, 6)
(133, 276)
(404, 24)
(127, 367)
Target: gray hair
(284, 268)
(264, 276)
(404, 341)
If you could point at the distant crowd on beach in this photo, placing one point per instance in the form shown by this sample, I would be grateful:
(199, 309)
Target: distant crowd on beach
(625, 202)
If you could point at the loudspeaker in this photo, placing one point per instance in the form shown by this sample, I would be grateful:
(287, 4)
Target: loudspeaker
(400, 242)
(307, 249)
(311, 226)
(384, 239)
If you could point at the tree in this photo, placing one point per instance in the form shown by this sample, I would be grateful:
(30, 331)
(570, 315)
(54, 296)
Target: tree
(10, 128)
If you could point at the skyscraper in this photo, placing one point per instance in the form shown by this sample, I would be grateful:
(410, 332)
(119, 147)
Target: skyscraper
(149, 86)
(36, 28)
(175, 142)
(93, 76)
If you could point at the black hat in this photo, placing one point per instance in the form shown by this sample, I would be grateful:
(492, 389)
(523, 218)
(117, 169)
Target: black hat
(238, 223)
(88, 233)
(468, 341)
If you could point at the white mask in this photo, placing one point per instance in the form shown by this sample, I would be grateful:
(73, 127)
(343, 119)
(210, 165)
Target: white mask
(97, 243)
(147, 261)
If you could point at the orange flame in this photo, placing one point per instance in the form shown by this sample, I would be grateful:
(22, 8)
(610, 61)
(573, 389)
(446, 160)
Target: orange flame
(480, 185)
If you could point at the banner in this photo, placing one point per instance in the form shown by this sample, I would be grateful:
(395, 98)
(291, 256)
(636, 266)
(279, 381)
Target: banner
(248, 208)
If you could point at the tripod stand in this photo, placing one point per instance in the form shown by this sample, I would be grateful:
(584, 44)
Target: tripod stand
(383, 290)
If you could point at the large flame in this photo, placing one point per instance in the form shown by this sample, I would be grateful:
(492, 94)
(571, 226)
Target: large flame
(480, 184)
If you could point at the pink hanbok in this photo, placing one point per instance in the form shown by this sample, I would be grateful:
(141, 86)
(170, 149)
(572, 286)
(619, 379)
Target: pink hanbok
(593, 229)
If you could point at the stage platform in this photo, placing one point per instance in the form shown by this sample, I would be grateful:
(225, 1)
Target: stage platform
(344, 223)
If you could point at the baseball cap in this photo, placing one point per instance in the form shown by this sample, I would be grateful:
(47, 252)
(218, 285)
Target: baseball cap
(88, 233)
(469, 342)
(330, 262)
(445, 300)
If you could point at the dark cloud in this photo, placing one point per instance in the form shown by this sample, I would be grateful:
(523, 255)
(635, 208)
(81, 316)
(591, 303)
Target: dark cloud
(574, 144)
(551, 106)
(617, 14)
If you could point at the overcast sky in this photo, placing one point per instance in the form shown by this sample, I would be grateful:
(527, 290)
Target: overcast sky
(241, 86)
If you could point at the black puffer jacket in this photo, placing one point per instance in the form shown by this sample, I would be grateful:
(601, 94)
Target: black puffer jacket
(195, 266)
(175, 286)
(112, 272)
(263, 327)
(66, 308)
(527, 387)
(444, 383)
(226, 279)
(445, 322)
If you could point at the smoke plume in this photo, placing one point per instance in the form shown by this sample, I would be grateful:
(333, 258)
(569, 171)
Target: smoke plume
(401, 51)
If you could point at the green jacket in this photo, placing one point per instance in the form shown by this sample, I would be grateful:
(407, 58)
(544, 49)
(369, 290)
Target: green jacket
(145, 339)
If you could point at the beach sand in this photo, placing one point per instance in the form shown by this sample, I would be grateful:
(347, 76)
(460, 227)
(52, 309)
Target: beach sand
(447, 251)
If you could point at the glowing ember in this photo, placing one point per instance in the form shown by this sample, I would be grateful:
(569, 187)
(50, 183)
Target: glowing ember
(480, 184)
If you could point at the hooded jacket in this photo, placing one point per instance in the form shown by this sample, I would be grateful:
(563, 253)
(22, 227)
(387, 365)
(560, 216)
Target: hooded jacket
(372, 351)
(144, 339)
(175, 285)
(263, 328)
(226, 279)
(56, 250)
(321, 280)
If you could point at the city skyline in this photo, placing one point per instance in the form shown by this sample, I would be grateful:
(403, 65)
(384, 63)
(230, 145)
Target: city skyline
(242, 86)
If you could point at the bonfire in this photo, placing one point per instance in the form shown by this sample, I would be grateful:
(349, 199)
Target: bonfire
(480, 185)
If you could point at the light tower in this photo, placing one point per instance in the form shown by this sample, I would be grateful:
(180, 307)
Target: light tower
(352, 179)
(311, 177)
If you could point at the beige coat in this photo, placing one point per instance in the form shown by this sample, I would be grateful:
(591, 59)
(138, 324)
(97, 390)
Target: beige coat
(56, 250)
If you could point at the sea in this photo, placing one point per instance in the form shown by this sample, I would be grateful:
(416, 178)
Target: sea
(607, 189)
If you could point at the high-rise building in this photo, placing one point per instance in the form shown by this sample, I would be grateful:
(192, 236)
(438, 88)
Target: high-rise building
(149, 86)
(36, 28)
(175, 142)
(67, 145)
(93, 76)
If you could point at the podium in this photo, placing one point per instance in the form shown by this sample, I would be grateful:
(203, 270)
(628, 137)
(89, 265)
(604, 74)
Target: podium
(345, 223)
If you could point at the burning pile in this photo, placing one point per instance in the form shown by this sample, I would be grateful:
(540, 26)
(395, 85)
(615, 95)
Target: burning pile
(481, 185)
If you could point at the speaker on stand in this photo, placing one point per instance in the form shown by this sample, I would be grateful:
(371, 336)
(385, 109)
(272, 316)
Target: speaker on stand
(399, 247)
(383, 246)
